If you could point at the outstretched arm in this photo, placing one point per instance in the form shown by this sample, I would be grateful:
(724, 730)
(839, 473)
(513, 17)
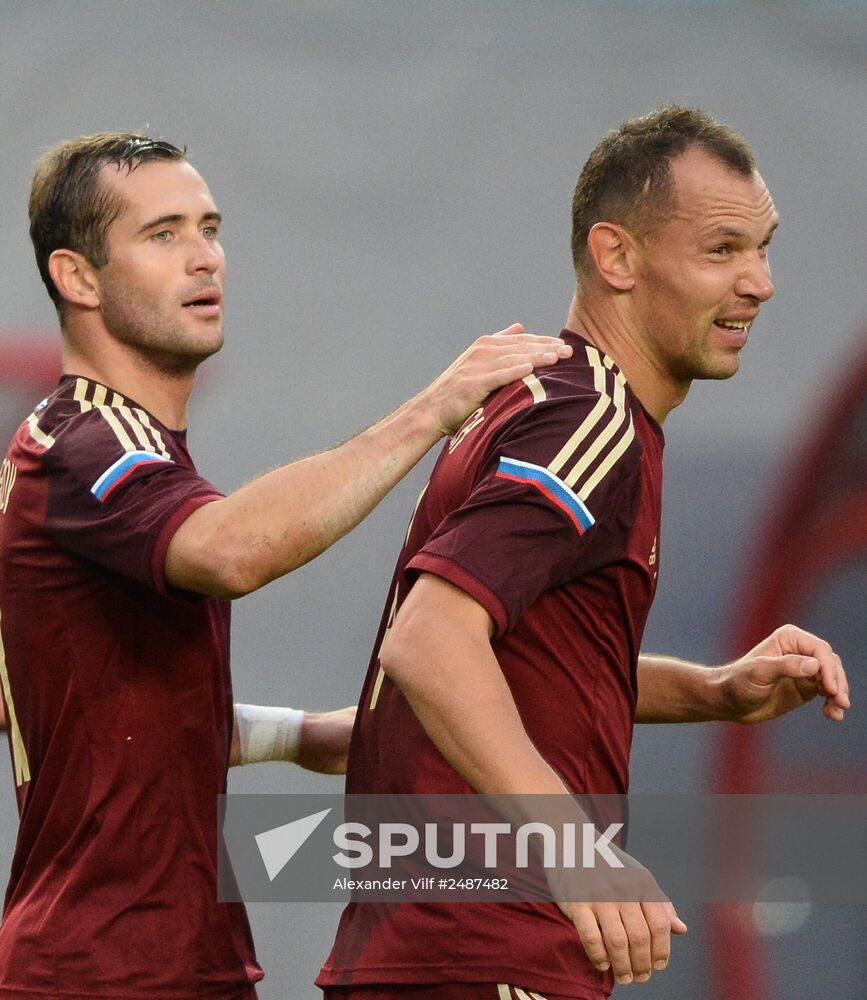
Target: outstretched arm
(784, 672)
(283, 519)
(316, 741)
(439, 653)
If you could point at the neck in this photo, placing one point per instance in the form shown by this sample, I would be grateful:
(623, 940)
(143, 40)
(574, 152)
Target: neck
(162, 393)
(602, 323)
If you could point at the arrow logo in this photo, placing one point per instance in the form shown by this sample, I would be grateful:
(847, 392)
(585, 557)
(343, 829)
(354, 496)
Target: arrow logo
(278, 846)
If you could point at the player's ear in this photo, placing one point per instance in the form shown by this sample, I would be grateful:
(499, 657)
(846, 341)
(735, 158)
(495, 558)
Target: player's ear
(75, 278)
(612, 249)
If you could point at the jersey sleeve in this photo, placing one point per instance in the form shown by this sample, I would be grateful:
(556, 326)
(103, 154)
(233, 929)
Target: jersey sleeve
(554, 498)
(115, 506)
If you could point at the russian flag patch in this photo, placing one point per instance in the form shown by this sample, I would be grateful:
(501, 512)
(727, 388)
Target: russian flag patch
(553, 488)
(115, 474)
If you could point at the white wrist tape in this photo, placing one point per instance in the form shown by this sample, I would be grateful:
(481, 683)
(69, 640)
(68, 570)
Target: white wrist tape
(268, 733)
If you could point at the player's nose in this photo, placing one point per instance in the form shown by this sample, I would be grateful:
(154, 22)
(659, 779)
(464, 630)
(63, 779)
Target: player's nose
(754, 282)
(205, 255)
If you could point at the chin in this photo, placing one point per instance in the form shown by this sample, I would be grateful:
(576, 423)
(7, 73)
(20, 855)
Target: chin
(712, 367)
(202, 347)
(723, 369)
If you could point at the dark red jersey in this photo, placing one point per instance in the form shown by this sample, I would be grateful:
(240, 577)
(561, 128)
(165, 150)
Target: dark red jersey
(119, 709)
(545, 508)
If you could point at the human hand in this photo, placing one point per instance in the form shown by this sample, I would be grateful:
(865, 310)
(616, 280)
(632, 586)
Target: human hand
(785, 671)
(491, 362)
(630, 938)
(324, 743)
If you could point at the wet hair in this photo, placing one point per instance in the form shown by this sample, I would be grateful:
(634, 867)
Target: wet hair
(70, 206)
(627, 178)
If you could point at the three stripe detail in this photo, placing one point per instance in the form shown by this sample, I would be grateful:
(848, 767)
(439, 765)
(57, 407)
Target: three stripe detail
(141, 441)
(609, 418)
(609, 421)
(147, 437)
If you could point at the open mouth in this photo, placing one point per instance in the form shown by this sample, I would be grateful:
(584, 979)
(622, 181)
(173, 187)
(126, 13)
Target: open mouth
(734, 332)
(206, 303)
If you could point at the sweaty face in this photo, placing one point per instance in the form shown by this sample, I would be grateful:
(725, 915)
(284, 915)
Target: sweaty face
(703, 274)
(161, 292)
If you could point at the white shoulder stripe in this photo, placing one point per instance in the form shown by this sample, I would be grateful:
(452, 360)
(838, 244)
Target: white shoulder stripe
(137, 428)
(609, 463)
(602, 439)
(589, 421)
(600, 427)
(145, 419)
(147, 437)
(38, 435)
(535, 387)
(112, 421)
(80, 395)
(19, 751)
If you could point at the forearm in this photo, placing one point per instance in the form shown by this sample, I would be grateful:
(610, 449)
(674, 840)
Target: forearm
(263, 733)
(477, 729)
(316, 741)
(438, 652)
(280, 521)
(673, 690)
(447, 670)
(285, 518)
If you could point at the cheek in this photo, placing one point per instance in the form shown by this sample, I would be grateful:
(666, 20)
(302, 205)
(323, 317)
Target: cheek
(696, 293)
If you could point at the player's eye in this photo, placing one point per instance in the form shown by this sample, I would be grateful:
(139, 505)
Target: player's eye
(163, 236)
(210, 232)
(721, 249)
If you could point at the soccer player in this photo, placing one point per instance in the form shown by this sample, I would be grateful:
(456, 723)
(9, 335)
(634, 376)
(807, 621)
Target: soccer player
(507, 660)
(116, 562)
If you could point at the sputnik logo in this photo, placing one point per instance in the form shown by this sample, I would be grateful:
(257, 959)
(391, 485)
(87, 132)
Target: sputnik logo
(279, 846)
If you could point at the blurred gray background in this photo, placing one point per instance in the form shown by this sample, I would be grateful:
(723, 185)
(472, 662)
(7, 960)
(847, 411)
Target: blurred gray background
(396, 179)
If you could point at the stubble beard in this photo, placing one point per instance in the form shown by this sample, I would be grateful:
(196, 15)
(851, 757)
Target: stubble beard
(155, 340)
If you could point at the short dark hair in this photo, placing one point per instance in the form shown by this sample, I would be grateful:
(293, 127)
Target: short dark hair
(627, 177)
(70, 207)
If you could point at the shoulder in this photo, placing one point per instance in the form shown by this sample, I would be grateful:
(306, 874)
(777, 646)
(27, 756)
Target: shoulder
(578, 420)
(90, 430)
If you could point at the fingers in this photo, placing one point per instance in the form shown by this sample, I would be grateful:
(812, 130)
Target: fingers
(525, 354)
(490, 363)
(661, 920)
(515, 368)
(587, 926)
(632, 939)
(812, 663)
(824, 676)
(510, 331)
(639, 937)
(792, 639)
(540, 352)
(834, 685)
(514, 335)
(616, 938)
(517, 342)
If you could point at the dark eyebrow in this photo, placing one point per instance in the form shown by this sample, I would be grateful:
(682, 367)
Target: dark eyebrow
(163, 219)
